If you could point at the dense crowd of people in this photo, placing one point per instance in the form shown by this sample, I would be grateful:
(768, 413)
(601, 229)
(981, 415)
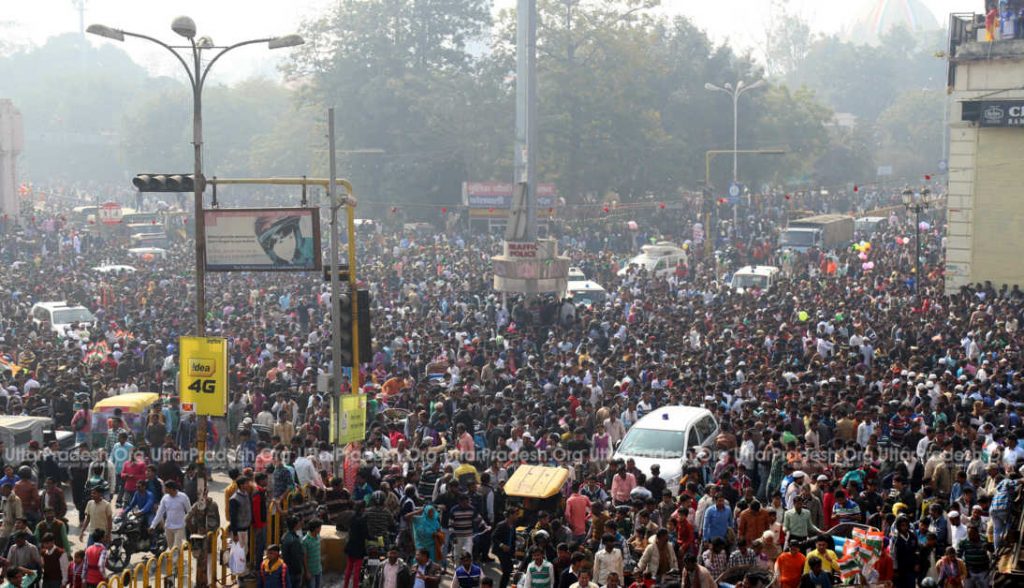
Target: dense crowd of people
(847, 394)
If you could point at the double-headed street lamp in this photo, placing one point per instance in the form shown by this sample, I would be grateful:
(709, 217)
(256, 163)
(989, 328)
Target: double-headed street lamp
(736, 91)
(916, 202)
(197, 72)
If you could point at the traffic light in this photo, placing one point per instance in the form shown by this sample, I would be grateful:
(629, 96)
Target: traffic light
(345, 326)
(345, 323)
(365, 348)
(164, 182)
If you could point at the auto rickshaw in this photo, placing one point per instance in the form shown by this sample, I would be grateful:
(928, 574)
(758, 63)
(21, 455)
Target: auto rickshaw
(534, 489)
(134, 407)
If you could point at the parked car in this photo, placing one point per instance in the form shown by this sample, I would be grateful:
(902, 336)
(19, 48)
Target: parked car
(61, 316)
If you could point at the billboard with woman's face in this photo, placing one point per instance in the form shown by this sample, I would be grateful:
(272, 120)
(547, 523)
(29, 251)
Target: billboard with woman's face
(263, 239)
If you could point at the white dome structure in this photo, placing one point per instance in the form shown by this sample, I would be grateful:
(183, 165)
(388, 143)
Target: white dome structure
(882, 16)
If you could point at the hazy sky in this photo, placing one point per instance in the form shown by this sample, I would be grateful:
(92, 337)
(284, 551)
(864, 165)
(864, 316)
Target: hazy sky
(739, 22)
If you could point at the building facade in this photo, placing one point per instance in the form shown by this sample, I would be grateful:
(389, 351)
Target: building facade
(985, 238)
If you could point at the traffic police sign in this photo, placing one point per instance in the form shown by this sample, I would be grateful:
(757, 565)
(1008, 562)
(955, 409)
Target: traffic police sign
(203, 382)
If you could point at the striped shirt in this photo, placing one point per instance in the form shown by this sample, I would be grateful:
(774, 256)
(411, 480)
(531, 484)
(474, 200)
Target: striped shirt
(462, 521)
(847, 511)
(540, 576)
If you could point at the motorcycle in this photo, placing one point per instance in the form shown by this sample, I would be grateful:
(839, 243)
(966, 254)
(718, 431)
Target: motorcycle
(132, 535)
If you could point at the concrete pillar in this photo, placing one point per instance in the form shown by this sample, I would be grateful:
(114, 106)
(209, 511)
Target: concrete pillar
(10, 147)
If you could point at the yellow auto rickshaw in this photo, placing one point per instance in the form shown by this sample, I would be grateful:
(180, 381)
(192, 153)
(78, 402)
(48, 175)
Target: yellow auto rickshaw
(534, 489)
(134, 407)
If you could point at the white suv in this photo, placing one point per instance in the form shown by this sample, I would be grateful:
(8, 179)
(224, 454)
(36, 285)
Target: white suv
(60, 316)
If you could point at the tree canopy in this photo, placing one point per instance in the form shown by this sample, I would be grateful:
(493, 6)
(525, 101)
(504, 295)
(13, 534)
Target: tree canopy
(424, 92)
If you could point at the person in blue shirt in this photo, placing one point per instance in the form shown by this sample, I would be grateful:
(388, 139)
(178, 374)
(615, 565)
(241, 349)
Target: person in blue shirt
(142, 501)
(468, 574)
(247, 450)
(9, 476)
(960, 486)
(363, 490)
(717, 520)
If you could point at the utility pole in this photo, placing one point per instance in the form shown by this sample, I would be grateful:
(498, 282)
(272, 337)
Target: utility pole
(526, 111)
(332, 189)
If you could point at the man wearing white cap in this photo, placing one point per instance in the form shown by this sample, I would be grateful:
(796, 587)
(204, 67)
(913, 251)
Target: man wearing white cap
(957, 530)
(793, 490)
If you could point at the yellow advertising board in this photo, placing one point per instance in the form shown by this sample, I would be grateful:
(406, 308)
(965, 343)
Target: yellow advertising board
(352, 420)
(203, 383)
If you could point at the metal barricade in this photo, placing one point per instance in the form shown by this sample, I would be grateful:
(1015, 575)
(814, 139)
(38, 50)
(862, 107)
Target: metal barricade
(213, 557)
(185, 572)
(140, 574)
(165, 566)
(222, 548)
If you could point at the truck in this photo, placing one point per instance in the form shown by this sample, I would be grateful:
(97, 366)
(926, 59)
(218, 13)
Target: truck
(825, 231)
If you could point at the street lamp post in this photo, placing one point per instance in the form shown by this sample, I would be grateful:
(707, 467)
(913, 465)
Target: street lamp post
(196, 72)
(735, 92)
(916, 202)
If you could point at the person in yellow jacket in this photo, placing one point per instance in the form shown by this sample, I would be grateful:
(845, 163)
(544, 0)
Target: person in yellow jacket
(829, 560)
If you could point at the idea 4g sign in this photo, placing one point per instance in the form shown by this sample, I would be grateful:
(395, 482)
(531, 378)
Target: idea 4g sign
(204, 380)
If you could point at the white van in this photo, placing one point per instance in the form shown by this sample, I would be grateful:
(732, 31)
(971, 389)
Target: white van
(663, 437)
(586, 292)
(761, 277)
(659, 259)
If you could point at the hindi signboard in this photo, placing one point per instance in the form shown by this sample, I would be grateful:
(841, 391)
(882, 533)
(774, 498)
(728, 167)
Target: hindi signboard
(263, 239)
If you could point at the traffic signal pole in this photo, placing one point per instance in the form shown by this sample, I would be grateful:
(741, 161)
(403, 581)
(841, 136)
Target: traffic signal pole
(332, 190)
(349, 202)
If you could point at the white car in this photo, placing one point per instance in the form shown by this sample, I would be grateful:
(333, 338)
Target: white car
(61, 316)
(660, 259)
(114, 269)
(663, 436)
